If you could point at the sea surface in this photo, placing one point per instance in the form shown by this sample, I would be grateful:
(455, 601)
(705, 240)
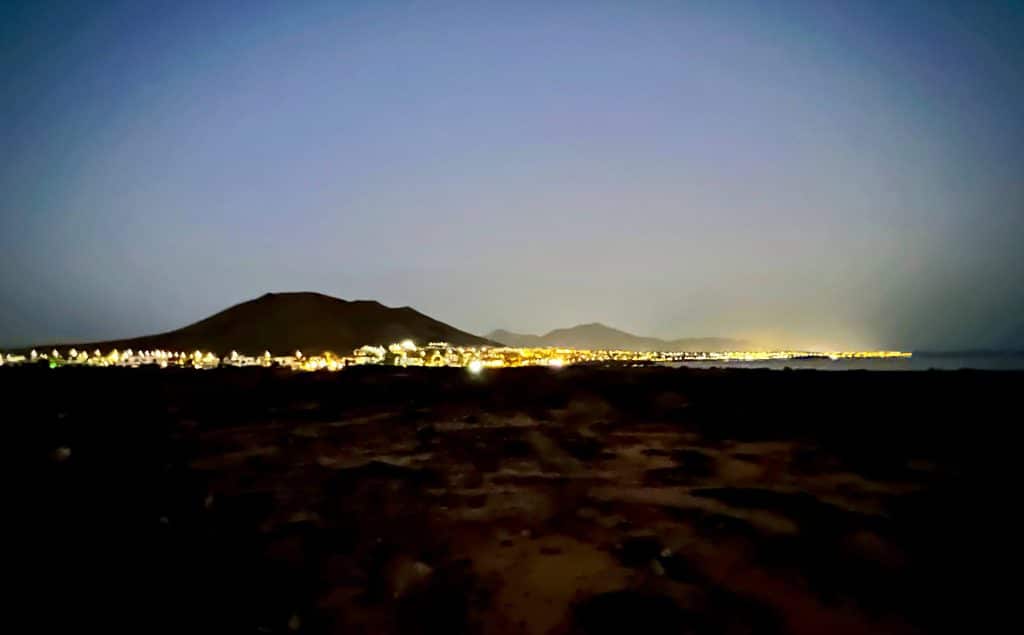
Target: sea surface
(919, 361)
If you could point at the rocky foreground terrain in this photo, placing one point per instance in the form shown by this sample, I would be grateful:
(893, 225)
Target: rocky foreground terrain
(583, 500)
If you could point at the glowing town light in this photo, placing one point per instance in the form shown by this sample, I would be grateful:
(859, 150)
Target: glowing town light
(33, 355)
(406, 353)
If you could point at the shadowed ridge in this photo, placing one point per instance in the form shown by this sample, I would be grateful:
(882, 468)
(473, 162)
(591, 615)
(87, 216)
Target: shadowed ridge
(595, 335)
(307, 321)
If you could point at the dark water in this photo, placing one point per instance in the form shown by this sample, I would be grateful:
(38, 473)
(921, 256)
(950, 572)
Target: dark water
(920, 361)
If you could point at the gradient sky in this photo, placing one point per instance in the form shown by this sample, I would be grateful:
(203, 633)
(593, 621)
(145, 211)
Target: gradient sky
(813, 173)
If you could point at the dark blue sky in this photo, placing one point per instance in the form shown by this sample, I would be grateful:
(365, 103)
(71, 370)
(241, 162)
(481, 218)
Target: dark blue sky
(814, 173)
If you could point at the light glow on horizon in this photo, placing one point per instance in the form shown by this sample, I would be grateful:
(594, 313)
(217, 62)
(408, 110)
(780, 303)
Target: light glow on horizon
(433, 355)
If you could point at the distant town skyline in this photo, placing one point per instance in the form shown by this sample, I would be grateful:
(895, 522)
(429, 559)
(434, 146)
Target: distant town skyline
(821, 176)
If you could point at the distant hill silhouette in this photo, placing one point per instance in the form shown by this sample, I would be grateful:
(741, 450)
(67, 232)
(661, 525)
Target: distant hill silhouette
(285, 322)
(599, 336)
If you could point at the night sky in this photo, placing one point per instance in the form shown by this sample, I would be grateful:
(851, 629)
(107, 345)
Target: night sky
(835, 174)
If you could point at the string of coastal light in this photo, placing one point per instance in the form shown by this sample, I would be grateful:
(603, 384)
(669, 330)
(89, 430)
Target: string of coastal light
(407, 353)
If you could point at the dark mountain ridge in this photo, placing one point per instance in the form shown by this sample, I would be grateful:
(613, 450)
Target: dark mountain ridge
(598, 336)
(284, 322)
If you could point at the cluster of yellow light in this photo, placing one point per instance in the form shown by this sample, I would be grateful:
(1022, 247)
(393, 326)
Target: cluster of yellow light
(434, 354)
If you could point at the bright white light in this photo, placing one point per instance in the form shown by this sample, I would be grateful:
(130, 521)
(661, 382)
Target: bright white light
(557, 362)
(408, 345)
(475, 366)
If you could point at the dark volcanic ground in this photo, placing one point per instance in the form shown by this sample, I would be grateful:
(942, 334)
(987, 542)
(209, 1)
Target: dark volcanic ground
(524, 501)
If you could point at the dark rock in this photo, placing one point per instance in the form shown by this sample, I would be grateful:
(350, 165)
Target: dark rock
(695, 462)
(656, 452)
(517, 448)
(638, 551)
(803, 508)
(443, 603)
(383, 471)
(425, 434)
(680, 569)
(630, 611)
(670, 476)
(581, 447)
